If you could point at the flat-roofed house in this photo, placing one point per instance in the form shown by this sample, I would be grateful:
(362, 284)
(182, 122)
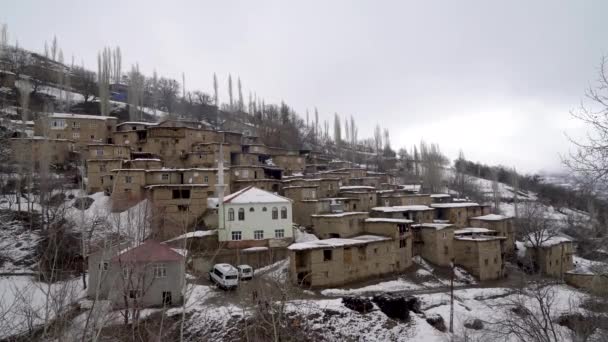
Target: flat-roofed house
(365, 194)
(500, 223)
(126, 187)
(458, 213)
(252, 217)
(551, 255)
(151, 274)
(38, 150)
(176, 208)
(400, 231)
(434, 242)
(403, 199)
(480, 251)
(416, 213)
(339, 225)
(339, 261)
(81, 128)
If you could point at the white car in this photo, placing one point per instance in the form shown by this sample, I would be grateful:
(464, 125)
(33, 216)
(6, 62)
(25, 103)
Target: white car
(245, 272)
(224, 276)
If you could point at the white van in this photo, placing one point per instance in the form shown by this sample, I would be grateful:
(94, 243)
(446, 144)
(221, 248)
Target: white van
(245, 272)
(225, 276)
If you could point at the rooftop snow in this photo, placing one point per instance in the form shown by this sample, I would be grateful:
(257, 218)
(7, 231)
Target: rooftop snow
(478, 238)
(176, 185)
(547, 241)
(337, 242)
(80, 116)
(436, 226)
(195, 234)
(357, 187)
(454, 205)
(491, 217)
(252, 194)
(347, 213)
(254, 249)
(389, 220)
(473, 230)
(402, 208)
(440, 195)
(137, 123)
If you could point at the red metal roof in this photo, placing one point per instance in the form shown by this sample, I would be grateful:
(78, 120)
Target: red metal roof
(149, 251)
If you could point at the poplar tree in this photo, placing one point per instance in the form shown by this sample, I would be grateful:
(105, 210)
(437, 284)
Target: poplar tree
(241, 102)
(337, 130)
(230, 98)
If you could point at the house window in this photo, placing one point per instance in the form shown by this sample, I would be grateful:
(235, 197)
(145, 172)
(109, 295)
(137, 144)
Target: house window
(164, 176)
(275, 213)
(76, 135)
(103, 266)
(102, 168)
(133, 294)
(284, 213)
(93, 124)
(236, 235)
(258, 234)
(230, 214)
(485, 262)
(446, 250)
(402, 243)
(241, 214)
(264, 209)
(327, 255)
(251, 210)
(76, 124)
(279, 233)
(206, 179)
(183, 207)
(445, 235)
(100, 151)
(495, 260)
(181, 193)
(92, 137)
(245, 173)
(128, 179)
(160, 271)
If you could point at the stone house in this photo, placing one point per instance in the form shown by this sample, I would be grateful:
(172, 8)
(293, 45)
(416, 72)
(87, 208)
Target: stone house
(24, 151)
(151, 274)
(108, 151)
(143, 163)
(480, 251)
(400, 231)
(176, 208)
(126, 187)
(291, 164)
(367, 197)
(133, 126)
(500, 223)
(434, 242)
(457, 213)
(253, 217)
(416, 213)
(402, 199)
(339, 261)
(550, 255)
(80, 128)
(100, 171)
(339, 225)
(441, 198)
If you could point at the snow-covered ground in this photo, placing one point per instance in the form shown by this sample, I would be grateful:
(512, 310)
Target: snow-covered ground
(26, 303)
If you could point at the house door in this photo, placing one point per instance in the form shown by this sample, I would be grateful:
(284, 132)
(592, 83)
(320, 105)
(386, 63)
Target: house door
(166, 298)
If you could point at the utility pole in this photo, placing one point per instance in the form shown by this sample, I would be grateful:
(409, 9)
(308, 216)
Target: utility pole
(452, 299)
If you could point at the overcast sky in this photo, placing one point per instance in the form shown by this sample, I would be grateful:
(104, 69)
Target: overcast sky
(494, 78)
